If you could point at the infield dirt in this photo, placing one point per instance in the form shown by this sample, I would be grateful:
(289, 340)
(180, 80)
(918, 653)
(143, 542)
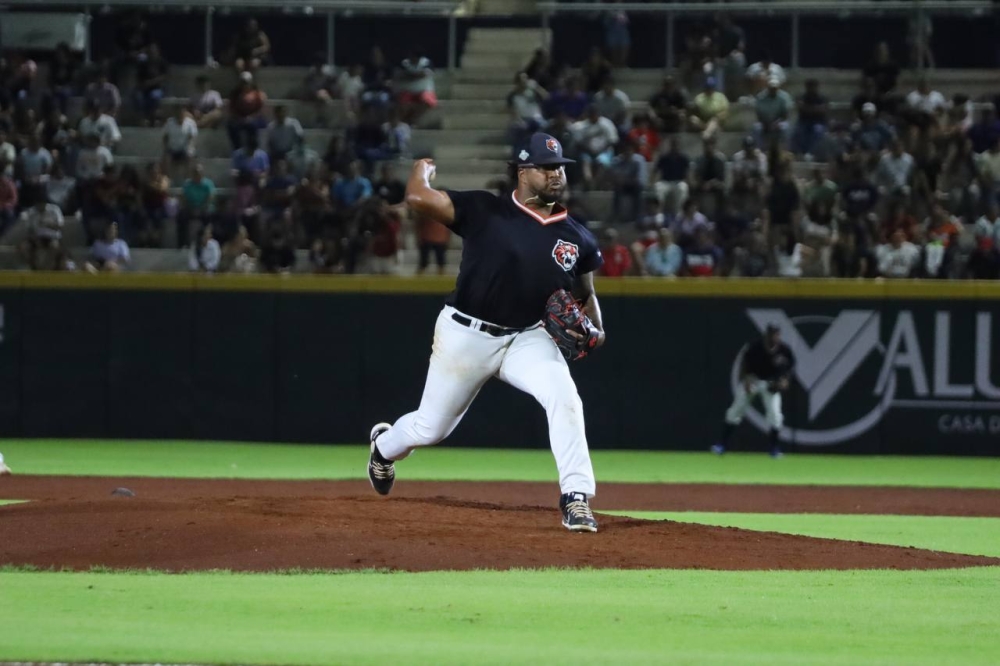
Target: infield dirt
(189, 524)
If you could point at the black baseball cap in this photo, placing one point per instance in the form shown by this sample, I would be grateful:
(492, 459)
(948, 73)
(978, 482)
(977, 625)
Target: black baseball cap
(542, 150)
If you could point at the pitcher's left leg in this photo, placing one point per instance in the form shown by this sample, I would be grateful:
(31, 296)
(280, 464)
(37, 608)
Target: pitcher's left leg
(534, 365)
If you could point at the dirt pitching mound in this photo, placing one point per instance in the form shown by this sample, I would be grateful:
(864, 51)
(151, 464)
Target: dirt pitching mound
(268, 532)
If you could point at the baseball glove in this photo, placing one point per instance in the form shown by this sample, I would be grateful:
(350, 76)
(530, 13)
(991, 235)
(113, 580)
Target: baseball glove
(562, 315)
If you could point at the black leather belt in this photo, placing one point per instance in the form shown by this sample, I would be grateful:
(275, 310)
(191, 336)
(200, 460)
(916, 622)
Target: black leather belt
(495, 331)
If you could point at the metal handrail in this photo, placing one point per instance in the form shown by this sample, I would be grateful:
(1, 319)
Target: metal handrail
(771, 8)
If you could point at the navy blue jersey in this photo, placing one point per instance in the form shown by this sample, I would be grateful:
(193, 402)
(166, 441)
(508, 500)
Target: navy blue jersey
(513, 258)
(768, 364)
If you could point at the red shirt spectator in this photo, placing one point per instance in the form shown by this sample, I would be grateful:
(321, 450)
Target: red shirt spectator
(617, 258)
(899, 219)
(645, 138)
(385, 243)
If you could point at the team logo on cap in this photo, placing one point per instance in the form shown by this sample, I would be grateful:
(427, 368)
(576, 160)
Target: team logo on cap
(552, 145)
(523, 155)
(566, 254)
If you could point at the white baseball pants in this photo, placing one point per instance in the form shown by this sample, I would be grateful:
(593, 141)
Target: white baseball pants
(772, 404)
(462, 360)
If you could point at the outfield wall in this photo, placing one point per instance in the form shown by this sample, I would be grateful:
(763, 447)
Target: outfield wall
(905, 367)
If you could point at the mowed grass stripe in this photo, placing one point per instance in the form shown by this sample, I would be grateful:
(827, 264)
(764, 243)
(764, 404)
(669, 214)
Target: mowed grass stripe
(288, 461)
(552, 617)
(972, 536)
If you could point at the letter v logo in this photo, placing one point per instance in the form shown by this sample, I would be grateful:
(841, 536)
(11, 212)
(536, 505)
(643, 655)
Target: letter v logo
(824, 368)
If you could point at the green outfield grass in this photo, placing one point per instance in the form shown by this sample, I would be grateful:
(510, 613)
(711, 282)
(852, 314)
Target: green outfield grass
(973, 536)
(285, 461)
(551, 617)
(10, 501)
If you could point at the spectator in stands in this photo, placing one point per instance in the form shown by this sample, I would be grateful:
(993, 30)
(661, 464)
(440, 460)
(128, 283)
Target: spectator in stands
(774, 107)
(898, 258)
(277, 254)
(388, 187)
(132, 37)
(398, 136)
(669, 106)
(708, 176)
(283, 134)
(40, 219)
(109, 253)
(246, 110)
(645, 138)
(613, 103)
(251, 48)
(377, 73)
(432, 238)
(302, 160)
(326, 255)
(34, 163)
(883, 70)
(820, 190)
(569, 98)
(92, 159)
(988, 225)
(702, 257)
(819, 235)
(56, 134)
(899, 219)
(103, 94)
(749, 176)
(313, 207)
(239, 253)
(595, 70)
(197, 203)
(207, 106)
(988, 164)
(925, 107)
(524, 104)
(959, 180)
(783, 205)
(872, 134)
(8, 198)
(158, 206)
(8, 154)
(180, 133)
(629, 175)
(63, 71)
(894, 172)
(596, 137)
(685, 226)
(151, 83)
(617, 258)
(60, 189)
(339, 155)
(730, 40)
(760, 74)
(671, 176)
(276, 196)
(353, 188)
(541, 69)
(369, 139)
(665, 258)
(385, 243)
(709, 110)
(868, 94)
(859, 198)
(811, 126)
(791, 258)
(941, 240)
(918, 36)
(245, 209)
(732, 232)
(205, 253)
(985, 132)
(617, 39)
(984, 261)
(321, 87)
(958, 118)
(250, 160)
(351, 87)
(100, 125)
(415, 85)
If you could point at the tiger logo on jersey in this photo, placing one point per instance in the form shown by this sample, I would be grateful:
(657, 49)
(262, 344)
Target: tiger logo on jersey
(566, 254)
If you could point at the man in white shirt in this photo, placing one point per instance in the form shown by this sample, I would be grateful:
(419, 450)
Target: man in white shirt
(8, 154)
(894, 170)
(898, 257)
(524, 103)
(613, 103)
(760, 72)
(92, 159)
(749, 173)
(928, 105)
(100, 125)
(43, 219)
(988, 226)
(34, 161)
(179, 135)
(206, 104)
(596, 137)
(283, 134)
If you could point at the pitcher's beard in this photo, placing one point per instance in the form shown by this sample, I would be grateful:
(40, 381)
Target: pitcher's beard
(546, 197)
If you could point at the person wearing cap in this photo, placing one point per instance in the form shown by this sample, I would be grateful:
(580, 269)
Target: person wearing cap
(765, 371)
(519, 248)
(709, 109)
(872, 134)
(773, 107)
